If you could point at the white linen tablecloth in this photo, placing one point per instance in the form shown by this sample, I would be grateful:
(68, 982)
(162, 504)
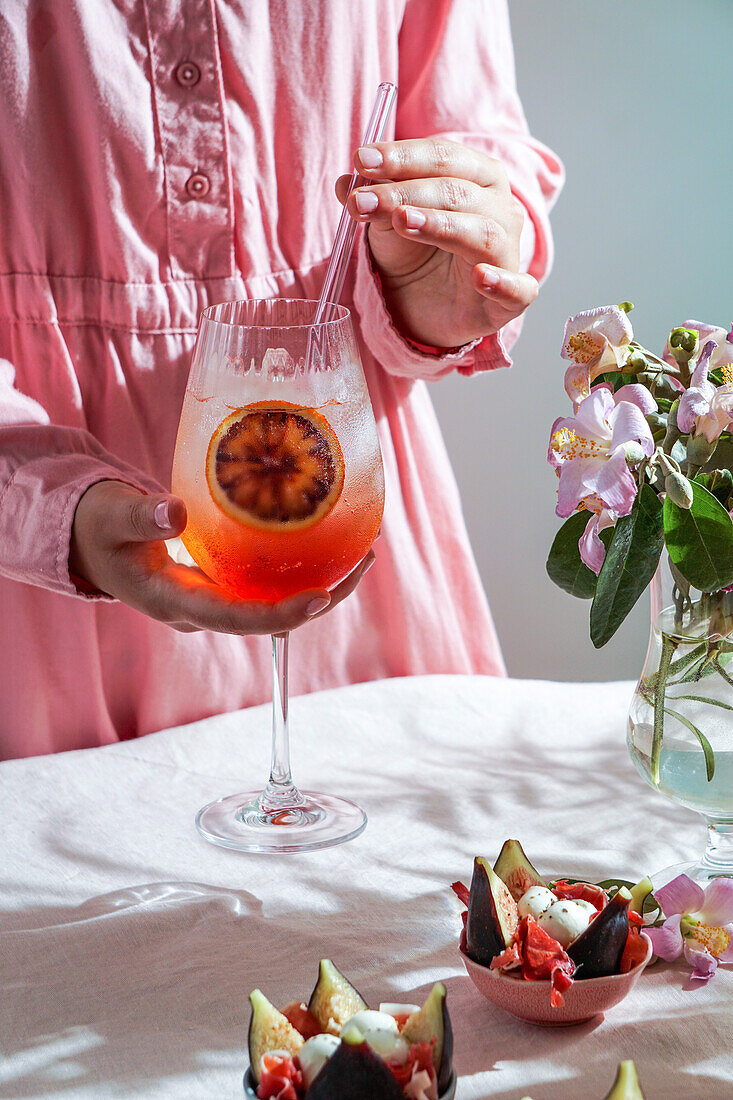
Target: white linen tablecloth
(128, 945)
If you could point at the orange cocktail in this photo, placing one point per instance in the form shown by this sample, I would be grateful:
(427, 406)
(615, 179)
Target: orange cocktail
(281, 497)
(278, 461)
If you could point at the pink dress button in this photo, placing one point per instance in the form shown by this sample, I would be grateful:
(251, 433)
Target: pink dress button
(188, 74)
(198, 185)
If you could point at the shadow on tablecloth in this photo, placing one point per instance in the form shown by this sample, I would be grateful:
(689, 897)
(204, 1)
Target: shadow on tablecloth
(150, 984)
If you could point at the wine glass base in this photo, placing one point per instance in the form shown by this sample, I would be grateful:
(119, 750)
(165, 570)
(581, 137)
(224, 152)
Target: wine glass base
(321, 821)
(698, 872)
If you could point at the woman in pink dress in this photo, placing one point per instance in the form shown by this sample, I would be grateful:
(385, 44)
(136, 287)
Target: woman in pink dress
(156, 157)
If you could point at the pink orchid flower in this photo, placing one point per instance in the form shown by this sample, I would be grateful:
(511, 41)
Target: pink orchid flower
(590, 453)
(595, 341)
(706, 409)
(699, 922)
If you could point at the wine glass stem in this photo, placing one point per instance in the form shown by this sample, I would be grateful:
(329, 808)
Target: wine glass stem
(718, 856)
(280, 792)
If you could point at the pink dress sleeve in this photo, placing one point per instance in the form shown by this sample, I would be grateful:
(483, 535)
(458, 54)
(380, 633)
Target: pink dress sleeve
(457, 81)
(44, 470)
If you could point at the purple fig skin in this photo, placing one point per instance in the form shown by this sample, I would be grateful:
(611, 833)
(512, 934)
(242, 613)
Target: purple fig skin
(354, 1072)
(445, 1070)
(597, 952)
(484, 936)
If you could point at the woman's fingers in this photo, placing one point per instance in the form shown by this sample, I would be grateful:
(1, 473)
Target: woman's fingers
(185, 598)
(341, 591)
(511, 290)
(120, 549)
(126, 515)
(417, 158)
(378, 202)
(473, 237)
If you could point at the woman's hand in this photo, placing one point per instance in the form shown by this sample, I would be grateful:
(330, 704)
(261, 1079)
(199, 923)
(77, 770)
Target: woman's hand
(117, 546)
(444, 231)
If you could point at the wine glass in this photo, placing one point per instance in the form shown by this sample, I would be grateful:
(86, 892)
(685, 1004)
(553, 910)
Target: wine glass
(278, 460)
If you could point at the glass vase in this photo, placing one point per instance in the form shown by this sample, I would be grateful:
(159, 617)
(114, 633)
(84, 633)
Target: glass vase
(680, 730)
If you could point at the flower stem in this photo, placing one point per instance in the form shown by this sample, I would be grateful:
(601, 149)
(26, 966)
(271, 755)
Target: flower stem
(696, 654)
(668, 648)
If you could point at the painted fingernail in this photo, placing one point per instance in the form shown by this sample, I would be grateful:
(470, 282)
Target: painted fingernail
(414, 219)
(316, 605)
(490, 278)
(370, 158)
(366, 201)
(367, 566)
(162, 518)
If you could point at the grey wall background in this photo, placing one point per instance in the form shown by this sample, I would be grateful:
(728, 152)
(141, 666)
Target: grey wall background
(637, 99)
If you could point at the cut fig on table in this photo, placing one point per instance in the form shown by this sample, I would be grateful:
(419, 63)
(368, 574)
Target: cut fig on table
(355, 1072)
(334, 999)
(597, 952)
(492, 914)
(432, 1022)
(268, 1030)
(515, 870)
(627, 1085)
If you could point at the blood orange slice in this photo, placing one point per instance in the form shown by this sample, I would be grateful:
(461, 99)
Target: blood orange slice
(275, 466)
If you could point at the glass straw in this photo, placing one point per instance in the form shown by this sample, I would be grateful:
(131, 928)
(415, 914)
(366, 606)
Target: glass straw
(347, 227)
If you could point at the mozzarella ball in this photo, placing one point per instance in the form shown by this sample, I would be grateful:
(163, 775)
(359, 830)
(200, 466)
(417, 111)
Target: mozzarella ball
(565, 921)
(314, 1054)
(587, 905)
(381, 1032)
(535, 901)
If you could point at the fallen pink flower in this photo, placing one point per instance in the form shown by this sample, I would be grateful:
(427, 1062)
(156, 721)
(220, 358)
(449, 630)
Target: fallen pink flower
(699, 923)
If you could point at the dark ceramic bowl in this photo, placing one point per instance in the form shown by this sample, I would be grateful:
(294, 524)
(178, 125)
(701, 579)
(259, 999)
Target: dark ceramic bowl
(250, 1088)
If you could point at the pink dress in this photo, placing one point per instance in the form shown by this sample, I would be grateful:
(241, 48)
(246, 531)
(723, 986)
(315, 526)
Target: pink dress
(157, 156)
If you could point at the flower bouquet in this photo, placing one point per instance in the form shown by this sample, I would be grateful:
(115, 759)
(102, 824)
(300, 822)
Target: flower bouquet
(646, 491)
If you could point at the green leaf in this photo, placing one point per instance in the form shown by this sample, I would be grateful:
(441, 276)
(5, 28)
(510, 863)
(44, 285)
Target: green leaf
(700, 540)
(609, 883)
(630, 564)
(704, 699)
(564, 564)
(721, 671)
(704, 743)
(717, 482)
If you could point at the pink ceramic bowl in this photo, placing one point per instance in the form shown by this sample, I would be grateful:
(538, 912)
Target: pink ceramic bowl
(530, 1001)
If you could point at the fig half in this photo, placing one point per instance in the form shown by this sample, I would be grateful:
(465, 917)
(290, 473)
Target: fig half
(492, 917)
(626, 1086)
(597, 952)
(432, 1021)
(639, 893)
(515, 870)
(268, 1030)
(334, 999)
(355, 1072)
